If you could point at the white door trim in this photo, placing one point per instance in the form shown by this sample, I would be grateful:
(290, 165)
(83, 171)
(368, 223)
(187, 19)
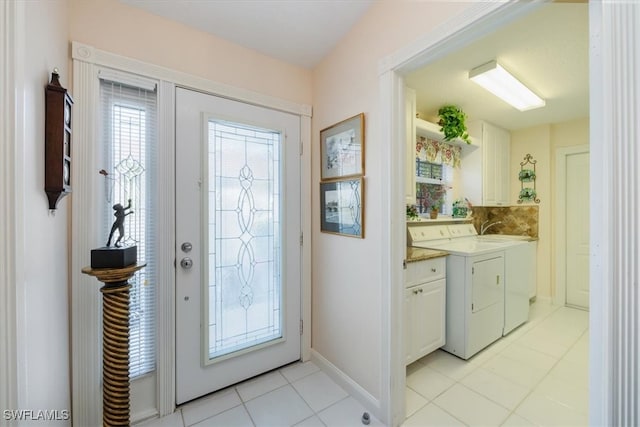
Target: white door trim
(85, 306)
(476, 21)
(560, 297)
(12, 59)
(613, 69)
(86, 53)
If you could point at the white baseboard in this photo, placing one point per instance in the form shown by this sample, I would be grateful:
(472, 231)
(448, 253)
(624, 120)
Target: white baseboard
(144, 416)
(544, 300)
(348, 384)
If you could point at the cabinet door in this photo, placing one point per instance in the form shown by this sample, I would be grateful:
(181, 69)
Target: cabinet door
(496, 173)
(503, 171)
(425, 319)
(490, 174)
(410, 169)
(430, 303)
(409, 352)
(487, 287)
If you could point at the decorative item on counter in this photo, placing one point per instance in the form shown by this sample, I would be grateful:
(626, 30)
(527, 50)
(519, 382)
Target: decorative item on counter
(412, 212)
(433, 213)
(452, 122)
(527, 194)
(461, 208)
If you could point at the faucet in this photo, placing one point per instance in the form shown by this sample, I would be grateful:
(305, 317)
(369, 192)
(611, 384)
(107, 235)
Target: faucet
(484, 228)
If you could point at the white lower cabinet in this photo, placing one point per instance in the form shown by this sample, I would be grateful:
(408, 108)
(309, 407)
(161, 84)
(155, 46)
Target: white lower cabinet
(424, 308)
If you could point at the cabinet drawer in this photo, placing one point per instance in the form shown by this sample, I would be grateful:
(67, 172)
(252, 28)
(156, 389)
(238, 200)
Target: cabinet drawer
(425, 271)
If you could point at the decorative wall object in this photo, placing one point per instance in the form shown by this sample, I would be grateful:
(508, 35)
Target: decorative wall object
(342, 207)
(527, 177)
(342, 149)
(57, 141)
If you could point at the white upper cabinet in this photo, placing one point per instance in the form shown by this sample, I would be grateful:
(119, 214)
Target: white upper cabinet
(485, 173)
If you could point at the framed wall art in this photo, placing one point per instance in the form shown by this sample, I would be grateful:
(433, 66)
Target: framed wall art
(342, 207)
(342, 149)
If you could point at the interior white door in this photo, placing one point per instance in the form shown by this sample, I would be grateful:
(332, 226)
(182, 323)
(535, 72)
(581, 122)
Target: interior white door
(577, 226)
(237, 242)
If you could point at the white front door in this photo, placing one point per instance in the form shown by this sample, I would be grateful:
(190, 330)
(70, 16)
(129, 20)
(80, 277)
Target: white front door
(237, 242)
(577, 226)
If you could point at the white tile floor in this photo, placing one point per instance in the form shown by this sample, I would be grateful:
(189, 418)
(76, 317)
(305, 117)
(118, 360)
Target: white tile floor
(299, 394)
(536, 376)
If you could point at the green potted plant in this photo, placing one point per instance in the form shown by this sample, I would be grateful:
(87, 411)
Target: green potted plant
(435, 209)
(452, 122)
(412, 213)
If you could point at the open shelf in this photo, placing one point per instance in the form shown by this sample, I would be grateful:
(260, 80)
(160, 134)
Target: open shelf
(432, 131)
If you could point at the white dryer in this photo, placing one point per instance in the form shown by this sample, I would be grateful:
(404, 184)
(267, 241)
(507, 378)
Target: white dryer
(475, 285)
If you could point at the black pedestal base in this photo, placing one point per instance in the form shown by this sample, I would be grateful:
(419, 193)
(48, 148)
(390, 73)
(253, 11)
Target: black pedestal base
(110, 257)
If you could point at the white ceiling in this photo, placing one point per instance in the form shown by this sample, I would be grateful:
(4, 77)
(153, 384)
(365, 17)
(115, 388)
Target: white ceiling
(547, 50)
(299, 32)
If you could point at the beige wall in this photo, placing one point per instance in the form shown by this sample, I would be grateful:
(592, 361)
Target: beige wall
(115, 27)
(347, 286)
(43, 298)
(541, 142)
(346, 289)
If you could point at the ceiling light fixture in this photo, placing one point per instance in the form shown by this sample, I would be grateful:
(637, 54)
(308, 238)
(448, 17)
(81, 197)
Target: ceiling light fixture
(498, 81)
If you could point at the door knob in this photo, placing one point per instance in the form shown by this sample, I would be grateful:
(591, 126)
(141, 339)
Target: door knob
(186, 247)
(186, 263)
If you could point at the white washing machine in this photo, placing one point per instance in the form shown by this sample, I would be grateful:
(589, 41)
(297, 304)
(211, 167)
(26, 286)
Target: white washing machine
(475, 308)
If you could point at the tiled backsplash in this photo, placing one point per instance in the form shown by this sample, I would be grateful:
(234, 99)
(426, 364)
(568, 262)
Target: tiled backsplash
(516, 220)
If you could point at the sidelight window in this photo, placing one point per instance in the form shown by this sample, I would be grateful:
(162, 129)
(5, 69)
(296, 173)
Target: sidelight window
(129, 138)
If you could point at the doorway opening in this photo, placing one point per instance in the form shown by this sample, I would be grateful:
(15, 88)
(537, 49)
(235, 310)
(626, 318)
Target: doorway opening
(395, 82)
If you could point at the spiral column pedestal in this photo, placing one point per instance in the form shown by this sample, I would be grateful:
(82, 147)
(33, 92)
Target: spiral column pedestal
(115, 342)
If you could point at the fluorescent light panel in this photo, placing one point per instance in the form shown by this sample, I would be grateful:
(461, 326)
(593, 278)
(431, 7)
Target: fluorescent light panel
(498, 81)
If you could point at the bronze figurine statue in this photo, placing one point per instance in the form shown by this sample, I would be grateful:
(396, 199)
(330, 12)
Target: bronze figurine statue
(118, 224)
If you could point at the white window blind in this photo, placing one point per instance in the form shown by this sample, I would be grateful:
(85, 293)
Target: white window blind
(129, 138)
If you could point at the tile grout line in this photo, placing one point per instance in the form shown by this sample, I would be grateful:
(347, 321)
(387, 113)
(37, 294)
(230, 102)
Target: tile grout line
(242, 402)
(316, 413)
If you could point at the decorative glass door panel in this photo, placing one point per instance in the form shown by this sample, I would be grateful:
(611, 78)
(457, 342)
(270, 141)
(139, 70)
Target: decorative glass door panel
(237, 242)
(243, 283)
